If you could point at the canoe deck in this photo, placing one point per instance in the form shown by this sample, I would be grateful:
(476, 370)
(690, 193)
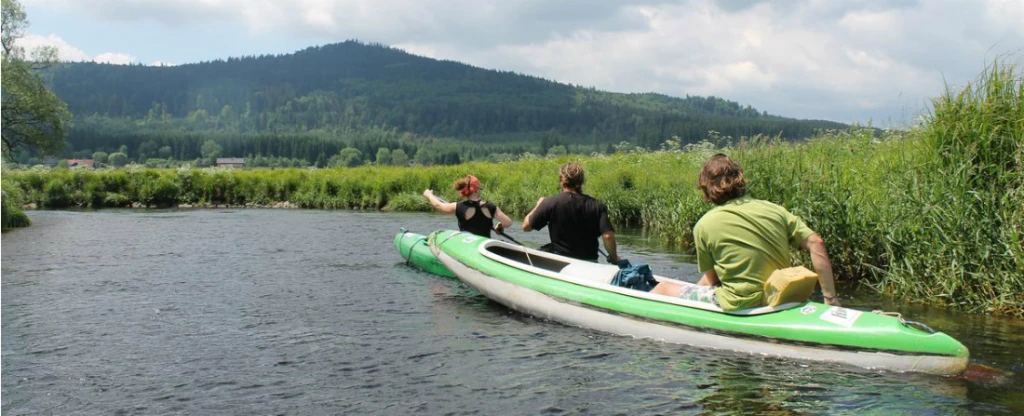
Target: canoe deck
(579, 293)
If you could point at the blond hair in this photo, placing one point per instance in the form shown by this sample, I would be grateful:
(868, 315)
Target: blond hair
(571, 176)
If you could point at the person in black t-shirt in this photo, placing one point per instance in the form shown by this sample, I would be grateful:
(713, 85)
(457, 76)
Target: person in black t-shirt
(474, 215)
(575, 219)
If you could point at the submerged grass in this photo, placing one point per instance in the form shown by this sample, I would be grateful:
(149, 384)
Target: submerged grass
(932, 215)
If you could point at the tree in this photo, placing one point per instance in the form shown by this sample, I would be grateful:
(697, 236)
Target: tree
(99, 157)
(33, 117)
(146, 150)
(425, 155)
(350, 157)
(399, 158)
(118, 159)
(556, 151)
(210, 150)
(383, 156)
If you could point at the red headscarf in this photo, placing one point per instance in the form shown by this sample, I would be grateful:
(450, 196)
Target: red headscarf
(474, 185)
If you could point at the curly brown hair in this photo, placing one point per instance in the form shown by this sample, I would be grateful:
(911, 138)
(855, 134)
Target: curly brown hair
(571, 176)
(722, 180)
(467, 186)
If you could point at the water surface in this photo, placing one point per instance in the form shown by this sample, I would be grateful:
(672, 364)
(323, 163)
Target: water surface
(312, 312)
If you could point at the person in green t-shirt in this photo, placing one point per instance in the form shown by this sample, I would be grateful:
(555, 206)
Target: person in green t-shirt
(742, 240)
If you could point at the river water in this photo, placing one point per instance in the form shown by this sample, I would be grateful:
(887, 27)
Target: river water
(241, 312)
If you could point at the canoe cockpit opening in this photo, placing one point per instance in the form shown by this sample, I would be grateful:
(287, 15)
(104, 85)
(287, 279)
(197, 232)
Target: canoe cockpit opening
(534, 260)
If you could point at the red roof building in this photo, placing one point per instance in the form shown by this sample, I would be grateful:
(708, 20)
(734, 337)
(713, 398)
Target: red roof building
(80, 162)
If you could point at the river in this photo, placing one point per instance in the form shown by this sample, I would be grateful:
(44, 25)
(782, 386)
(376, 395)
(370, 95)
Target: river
(240, 312)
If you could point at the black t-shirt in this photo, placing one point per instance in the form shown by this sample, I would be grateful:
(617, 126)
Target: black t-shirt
(576, 221)
(478, 224)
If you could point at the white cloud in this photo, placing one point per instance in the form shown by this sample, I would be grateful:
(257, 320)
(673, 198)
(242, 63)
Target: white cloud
(848, 61)
(114, 58)
(160, 63)
(67, 52)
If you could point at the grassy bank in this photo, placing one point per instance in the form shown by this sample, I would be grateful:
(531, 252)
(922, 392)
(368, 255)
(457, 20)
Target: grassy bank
(11, 199)
(931, 215)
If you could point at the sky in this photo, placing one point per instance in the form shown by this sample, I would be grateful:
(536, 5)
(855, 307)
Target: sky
(852, 61)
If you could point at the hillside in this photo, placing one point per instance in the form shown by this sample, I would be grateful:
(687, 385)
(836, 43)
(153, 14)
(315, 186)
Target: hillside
(343, 89)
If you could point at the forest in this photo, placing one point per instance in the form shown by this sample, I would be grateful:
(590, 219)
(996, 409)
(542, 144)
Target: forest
(304, 108)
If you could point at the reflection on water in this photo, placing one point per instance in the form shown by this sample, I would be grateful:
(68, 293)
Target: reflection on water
(312, 312)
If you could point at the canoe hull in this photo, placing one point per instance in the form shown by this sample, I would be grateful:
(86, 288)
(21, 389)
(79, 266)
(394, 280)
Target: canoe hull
(620, 322)
(416, 252)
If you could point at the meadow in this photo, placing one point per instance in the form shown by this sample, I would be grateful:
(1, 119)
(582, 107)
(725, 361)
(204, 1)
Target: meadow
(932, 214)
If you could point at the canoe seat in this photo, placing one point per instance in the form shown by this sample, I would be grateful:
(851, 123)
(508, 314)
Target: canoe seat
(590, 271)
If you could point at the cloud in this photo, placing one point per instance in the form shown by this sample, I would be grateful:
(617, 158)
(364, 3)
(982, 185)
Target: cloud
(114, 58)
(855, 60)
(66, 52)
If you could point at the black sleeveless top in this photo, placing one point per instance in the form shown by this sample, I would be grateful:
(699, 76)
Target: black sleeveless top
(478, 224)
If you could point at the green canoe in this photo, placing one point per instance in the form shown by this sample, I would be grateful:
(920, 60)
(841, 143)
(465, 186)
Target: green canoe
(414, 250)
(579, 293)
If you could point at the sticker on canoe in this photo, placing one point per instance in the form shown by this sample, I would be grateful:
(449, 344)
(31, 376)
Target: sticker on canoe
(841, 316)
(470, 239)
(809, 309)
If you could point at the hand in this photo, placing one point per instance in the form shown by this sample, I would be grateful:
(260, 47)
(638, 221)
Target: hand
(428, 193)
(833, 301)
(499, 228)
(613, 259)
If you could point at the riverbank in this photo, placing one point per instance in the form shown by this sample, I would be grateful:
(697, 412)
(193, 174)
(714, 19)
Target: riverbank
(931, 215)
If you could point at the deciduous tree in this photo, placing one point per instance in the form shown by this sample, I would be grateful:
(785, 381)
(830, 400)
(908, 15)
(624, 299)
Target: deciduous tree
(33, 117)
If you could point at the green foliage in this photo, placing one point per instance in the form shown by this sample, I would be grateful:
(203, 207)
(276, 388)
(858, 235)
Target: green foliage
(99, 158)
(33, 117)
(343, 95)
(383, 156)
(889, 219)
(556, 151)
(11, 215)
(399, 158)
(349, 157)
(210, 150)
(118, 159)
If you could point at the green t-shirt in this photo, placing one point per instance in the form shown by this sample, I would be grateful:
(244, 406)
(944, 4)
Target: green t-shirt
(745, 240)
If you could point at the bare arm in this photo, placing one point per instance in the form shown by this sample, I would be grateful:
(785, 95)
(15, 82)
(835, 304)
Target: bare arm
(823, 267)
(526, 221)
(609, 244)
(503, 220)
(710, 278)
(445, 207)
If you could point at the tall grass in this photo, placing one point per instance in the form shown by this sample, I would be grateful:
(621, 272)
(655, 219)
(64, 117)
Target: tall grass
(967, 200)
(930, 215)
(11, 215)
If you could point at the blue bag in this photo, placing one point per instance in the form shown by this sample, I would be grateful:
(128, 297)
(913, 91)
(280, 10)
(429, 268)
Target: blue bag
(638, 277)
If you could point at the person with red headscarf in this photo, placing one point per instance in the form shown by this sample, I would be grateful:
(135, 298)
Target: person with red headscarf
(474, 215)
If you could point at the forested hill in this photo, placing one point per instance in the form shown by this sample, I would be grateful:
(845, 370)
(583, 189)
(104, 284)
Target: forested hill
(351, 87)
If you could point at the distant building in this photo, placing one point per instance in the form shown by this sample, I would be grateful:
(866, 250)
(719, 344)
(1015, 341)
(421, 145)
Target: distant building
(231, 162)
(80, 162)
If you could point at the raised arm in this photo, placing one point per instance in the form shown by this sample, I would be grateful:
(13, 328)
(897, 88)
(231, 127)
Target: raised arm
(445, 207)
(823, 267)
(526, 221)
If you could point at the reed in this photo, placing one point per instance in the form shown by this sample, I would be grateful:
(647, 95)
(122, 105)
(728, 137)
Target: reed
(929, 215)
(11, 197)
